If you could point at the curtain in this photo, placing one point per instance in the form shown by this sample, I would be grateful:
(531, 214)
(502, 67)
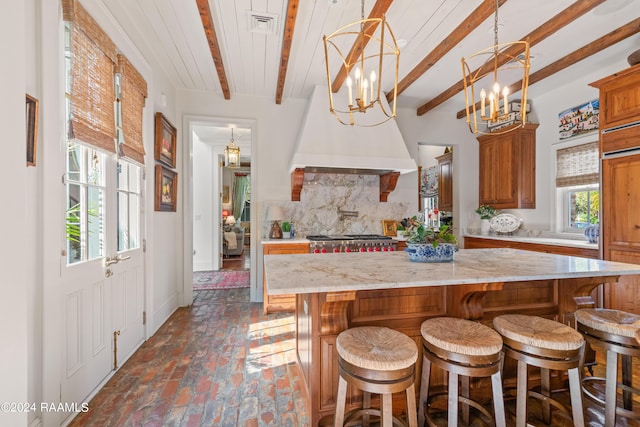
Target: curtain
(239, 194)
(92, 86)
(133, 91)
(577, 165)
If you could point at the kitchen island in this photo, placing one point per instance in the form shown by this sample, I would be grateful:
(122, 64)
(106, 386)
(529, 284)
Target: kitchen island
(338, 291)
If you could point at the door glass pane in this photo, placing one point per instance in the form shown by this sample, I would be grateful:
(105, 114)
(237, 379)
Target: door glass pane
(85, 203)
(123, 221)
(128, 205)
(73, 231)
(95, 222)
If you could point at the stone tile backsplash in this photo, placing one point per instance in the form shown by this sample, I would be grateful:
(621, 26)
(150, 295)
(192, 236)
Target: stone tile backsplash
(323, 194)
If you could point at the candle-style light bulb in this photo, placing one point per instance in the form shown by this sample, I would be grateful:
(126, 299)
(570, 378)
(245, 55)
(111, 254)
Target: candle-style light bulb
(496, 89)
(372, 79)
(491, 104)
(358, 75)
(365, 86)
(505, 93)
(349, 83)
(483, 97)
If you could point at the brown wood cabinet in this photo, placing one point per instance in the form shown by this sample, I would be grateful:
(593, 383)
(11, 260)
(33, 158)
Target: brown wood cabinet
(508, 169)
(278, 303)
(620, 192)
(619, 109)
(445, 182)
(621, 227)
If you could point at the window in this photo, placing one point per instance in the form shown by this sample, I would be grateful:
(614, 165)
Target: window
(85, 203)
(129, 201)
(577, 181)
(582, 207)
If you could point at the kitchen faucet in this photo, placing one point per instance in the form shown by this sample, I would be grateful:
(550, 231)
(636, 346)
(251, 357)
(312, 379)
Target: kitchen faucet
(344, 214)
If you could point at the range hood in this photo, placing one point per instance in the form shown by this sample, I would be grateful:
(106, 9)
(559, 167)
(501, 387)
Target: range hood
(327, 146)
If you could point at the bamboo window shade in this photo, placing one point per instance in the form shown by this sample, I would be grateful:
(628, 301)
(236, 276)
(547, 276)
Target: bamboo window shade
(92, 91)
(133, 91)
(577, 165)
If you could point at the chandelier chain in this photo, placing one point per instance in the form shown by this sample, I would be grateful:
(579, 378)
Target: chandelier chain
(495, 30)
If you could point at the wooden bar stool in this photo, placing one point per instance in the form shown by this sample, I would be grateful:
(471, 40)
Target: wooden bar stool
(549, 345)
(376, 360)
(462, 348)
(615, 332)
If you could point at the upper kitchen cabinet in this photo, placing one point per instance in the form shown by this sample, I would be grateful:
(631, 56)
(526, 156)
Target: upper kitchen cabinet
(619, 109)
(508, 169)
(445, 182)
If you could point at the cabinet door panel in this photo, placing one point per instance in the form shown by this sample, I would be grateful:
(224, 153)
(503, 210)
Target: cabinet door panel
(623, 103)
(507, 169)
(445, 182)
(624, 295)
(277, 303)
(621, 202)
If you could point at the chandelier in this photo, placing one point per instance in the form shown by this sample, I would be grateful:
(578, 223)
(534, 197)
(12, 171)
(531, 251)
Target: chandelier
(368, 42)
(232, 154)
(498, 64)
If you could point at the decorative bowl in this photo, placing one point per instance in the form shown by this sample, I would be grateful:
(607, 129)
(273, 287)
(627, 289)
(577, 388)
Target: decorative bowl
(425, 252)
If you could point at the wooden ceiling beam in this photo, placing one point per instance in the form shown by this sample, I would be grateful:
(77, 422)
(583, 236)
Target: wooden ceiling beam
(592, 48)
(287, 38)
(556, 23)
(477, 17)
(378, 10)
(214, 47)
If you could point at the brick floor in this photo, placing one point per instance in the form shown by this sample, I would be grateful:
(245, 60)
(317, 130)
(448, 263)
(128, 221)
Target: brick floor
(220, 362)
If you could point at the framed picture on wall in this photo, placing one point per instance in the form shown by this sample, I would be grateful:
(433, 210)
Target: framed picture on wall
(32, 129)
(579, 120)
(166, 194)
(389, 227)
(165, 147)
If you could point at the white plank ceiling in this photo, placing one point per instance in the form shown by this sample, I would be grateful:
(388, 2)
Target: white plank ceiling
(171, 36)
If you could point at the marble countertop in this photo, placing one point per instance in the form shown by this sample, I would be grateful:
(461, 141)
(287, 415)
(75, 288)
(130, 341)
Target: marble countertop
(574, 243)
(309, 273)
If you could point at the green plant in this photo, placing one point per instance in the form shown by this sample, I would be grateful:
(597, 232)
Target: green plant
(419, 232)
(286, 226)
(486, 212)
(73, 223)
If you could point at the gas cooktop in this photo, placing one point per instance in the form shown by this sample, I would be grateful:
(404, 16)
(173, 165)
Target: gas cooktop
(332, 237)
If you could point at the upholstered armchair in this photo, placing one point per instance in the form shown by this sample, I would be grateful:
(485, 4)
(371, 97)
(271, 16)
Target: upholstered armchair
(232, 241)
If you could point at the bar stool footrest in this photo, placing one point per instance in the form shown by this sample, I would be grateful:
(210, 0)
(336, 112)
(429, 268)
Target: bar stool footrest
(597, 396)
(443, 395)
(358, 414)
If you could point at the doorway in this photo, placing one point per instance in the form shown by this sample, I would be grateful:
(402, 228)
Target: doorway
(435, 191)
(212, 192)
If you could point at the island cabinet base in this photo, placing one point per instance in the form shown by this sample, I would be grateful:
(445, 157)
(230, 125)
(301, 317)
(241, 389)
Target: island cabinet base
(320, 317)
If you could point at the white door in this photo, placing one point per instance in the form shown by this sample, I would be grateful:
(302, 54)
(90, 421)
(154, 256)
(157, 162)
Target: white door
(102, 272)
(127, 293)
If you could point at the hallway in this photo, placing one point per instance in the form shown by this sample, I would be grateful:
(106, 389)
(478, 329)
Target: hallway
(219, 362)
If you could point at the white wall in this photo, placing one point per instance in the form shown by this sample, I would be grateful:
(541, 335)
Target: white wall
(203, 216)
(18, 214)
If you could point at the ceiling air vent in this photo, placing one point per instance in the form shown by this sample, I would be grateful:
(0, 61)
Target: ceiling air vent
(263, 23)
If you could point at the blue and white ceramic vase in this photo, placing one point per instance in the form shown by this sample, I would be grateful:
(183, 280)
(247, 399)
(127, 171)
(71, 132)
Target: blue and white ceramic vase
(592, 232)
(425, 252)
